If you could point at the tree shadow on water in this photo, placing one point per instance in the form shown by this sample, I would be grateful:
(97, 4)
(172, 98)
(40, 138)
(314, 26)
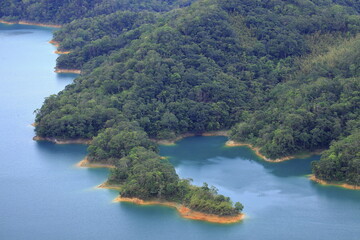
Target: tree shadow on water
(200, 151)
(61, 151)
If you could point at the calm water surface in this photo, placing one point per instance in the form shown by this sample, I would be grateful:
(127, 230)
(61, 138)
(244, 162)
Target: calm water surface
(44, 196)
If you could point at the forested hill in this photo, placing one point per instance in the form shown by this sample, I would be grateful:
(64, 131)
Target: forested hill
(283, 75)
(200, 68)
(65, 11)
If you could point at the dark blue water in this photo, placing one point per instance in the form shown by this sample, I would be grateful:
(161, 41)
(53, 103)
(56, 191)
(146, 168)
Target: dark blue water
(44, 196)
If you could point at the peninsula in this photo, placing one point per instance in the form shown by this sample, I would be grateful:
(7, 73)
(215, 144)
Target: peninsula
(325, 183)
(186, 212)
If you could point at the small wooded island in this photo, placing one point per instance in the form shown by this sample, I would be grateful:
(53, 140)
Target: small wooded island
(283, 76)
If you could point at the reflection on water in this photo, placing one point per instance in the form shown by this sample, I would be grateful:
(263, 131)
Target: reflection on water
(15, 33)
(335, 193)
(197, 152)
(66, 77)
(275, 195)
(50, 148)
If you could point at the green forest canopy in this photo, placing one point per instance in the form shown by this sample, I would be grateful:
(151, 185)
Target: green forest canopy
(282, 75)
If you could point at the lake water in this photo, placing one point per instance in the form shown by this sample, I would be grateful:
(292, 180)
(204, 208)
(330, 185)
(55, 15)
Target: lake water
(44, 196)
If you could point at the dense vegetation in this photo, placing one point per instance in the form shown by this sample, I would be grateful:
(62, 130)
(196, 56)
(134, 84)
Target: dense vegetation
(65, 11)
(212, 71)
(319, 104)
(142, 173)
(283, 75)
(145, 175)
(341, 162)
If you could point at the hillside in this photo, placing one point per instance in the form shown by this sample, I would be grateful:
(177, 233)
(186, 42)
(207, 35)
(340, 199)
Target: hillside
(65, 11)
(318, 105)
(283, 75)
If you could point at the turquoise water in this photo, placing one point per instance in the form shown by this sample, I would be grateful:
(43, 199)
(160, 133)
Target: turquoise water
(44, 196)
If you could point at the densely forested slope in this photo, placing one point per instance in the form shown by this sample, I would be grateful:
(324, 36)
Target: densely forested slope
(272, 70)
(194, 69)
(319, 105)
(341, 163)
(65, 11)
(90, 40)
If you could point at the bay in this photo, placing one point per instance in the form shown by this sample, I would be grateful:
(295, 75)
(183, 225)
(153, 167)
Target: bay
(45, 196)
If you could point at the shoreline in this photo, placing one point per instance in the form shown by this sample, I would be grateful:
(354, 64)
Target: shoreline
(325, 183)
(55, 43)
(61, 70)
(186, 212)
(85, 163)
(107, 185)
(61, 52)
(232, 143)
(31, 24)
(158, 141)
(56, 141)
(171, 142)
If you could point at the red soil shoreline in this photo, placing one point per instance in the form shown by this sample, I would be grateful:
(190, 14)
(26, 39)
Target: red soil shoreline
(325, 183)
(186, 212)
(85, 163)
(185, 135)
(61, 52)
(61, 70)
(231, 143)
(31, 23)
(54, 140)
(55, 43)
(106, 185)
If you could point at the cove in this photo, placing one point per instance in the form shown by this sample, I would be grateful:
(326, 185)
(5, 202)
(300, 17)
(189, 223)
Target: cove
(44, 196)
